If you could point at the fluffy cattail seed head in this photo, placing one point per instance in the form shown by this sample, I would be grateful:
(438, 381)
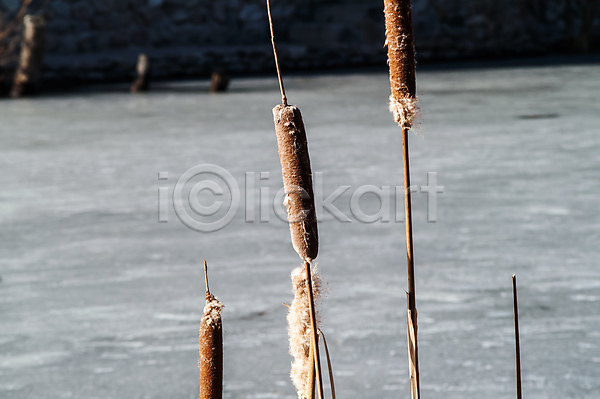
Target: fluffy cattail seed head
(299, 330)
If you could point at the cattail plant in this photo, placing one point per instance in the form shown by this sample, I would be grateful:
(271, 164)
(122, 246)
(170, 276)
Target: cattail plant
(401, 60)
(297, 181)
(211, 346)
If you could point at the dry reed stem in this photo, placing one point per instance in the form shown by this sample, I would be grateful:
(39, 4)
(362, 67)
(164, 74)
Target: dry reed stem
(413, 356)
(411, 295)
(329, 368)
(211, 347)
(281, 88)
(310, 390)
(297, 180)
(300, 331)
(401, 60)
(314, 329)
(517, 338)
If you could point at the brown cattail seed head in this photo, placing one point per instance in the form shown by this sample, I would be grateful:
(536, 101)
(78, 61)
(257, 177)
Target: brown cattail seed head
(211, 350)
(401, 60)
(297, 180)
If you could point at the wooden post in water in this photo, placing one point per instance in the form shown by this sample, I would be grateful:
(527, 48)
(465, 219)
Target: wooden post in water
(143, 69)
(219, 81)
(27, 76)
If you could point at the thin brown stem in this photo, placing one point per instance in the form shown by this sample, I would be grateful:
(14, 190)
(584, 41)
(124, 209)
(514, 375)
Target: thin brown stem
(313, 327)
(413, 349)
(281, 88)
(408, 220)
(329, 368)
(310, 391)
(206, 278)
(517, 339)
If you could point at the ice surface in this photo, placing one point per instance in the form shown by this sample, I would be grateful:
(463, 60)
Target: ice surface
(99, 300)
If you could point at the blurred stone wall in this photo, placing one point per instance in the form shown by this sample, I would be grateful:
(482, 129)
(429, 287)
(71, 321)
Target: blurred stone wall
(100, 39)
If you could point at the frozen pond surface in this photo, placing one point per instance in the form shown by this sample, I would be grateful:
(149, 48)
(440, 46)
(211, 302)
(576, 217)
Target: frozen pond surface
(99, 300)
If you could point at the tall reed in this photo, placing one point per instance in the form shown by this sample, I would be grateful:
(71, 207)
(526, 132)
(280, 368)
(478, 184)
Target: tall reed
(401, 61)
(297, 181)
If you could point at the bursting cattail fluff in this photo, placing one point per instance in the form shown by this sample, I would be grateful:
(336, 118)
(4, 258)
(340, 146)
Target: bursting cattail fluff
(299, 330)
(211, 350)
(297, 180)
(399, 40)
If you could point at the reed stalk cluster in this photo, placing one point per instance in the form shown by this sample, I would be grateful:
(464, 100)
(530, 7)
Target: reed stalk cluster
(302, 318)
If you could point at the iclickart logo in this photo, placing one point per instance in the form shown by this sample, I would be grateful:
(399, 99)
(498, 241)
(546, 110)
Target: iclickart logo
(206, 198)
